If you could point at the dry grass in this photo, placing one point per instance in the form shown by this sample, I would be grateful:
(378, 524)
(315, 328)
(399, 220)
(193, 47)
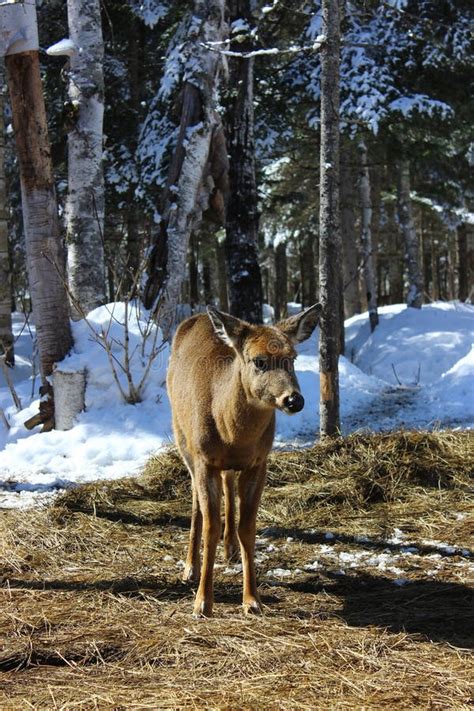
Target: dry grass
(93, 614)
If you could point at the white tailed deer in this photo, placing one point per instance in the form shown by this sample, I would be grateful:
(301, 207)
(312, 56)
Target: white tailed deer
(225, 380)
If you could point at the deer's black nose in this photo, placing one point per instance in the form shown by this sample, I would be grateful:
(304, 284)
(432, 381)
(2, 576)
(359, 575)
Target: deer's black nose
(294, 402)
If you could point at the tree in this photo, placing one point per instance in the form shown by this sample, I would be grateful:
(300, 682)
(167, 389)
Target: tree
(44, 249)
(85, 201)
(366, 234)
(407, 223)
(198, 167)
(6, 336)
(330, 268)
(245, 282)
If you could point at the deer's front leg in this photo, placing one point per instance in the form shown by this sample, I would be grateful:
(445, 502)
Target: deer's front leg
(250, 487)
(193, 561)
(209, 489)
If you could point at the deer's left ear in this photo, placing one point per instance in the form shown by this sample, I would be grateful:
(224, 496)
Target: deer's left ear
(300, 327)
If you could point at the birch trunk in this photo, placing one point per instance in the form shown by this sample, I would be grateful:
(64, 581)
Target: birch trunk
(350, 262)
(6, 336)
(407, 223)
(192, 179)
(245, 281)
(330, 267)
(366, 235)
(85, 201)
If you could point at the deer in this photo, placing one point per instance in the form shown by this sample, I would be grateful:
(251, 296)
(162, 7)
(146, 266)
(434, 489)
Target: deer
(226, 379)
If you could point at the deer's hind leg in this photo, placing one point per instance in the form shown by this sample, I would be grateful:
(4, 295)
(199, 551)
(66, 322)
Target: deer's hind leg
(231, 542)
(192, 568)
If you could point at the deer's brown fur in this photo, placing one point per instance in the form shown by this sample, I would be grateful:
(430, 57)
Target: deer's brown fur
(225, 380)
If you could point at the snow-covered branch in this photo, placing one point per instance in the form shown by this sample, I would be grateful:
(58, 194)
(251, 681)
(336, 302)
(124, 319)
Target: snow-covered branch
(262, 52)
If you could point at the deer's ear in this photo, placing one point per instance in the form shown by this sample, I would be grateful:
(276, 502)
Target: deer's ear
(228, 328)
(300, 327)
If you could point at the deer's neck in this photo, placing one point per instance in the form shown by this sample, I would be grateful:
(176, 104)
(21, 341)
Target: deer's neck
(240, 419)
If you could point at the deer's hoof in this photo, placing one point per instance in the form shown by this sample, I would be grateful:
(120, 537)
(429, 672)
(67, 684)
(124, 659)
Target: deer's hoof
(202, 609)
(190, 574)
(252, 607)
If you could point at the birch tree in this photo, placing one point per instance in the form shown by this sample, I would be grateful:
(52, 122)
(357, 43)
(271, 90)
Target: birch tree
(6, 336)
(85, 201)
(366, 234)
(245, 282)
(198, 164)
(330, 267)
(44, 249)
(410, 236)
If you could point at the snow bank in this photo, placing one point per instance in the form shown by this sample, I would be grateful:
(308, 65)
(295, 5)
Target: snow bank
(430, 350)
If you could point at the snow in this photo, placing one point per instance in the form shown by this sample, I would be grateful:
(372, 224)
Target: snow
(431, 351)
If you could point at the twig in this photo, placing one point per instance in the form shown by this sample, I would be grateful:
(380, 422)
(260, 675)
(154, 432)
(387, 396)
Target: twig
(395, 373)
(9, 382)
(4, 418)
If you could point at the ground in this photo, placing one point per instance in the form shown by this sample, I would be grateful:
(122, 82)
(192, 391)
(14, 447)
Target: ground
(365, 563)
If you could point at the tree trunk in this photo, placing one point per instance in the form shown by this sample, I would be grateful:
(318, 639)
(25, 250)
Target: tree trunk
(44, 250)
(6, 335)
(281, 281)
(193, 182)
(221, 276)
(85, 201)
(245, 281)
(434, 265)
(395, 255)
(193, 271)
(350, 262)
(330, 267)
(207, 281)
(308, 270)
(407, 223)
(366, 235)
(463, 262)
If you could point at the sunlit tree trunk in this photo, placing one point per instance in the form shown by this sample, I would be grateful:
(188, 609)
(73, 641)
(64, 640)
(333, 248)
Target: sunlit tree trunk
(44, 249)
(85, 201)
(330, 261)
(6, 336)
(245, 281)
(411, 244)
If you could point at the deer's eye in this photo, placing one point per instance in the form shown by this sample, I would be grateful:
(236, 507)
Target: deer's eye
(261, 364)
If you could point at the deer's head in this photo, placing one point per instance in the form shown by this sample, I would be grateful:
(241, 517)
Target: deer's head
(266, 356)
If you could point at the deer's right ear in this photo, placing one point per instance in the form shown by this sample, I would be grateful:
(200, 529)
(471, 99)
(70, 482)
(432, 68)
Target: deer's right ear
(228, 328)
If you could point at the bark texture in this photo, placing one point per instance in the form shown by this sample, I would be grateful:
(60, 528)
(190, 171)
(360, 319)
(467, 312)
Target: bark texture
(465, 260)
(281, 281)
(85, 201)
(198, 171)
(44, 250)
(350, 262)
(366, 235)
(6, 336)
(245, 281)
(412, 248)
(330, 267)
